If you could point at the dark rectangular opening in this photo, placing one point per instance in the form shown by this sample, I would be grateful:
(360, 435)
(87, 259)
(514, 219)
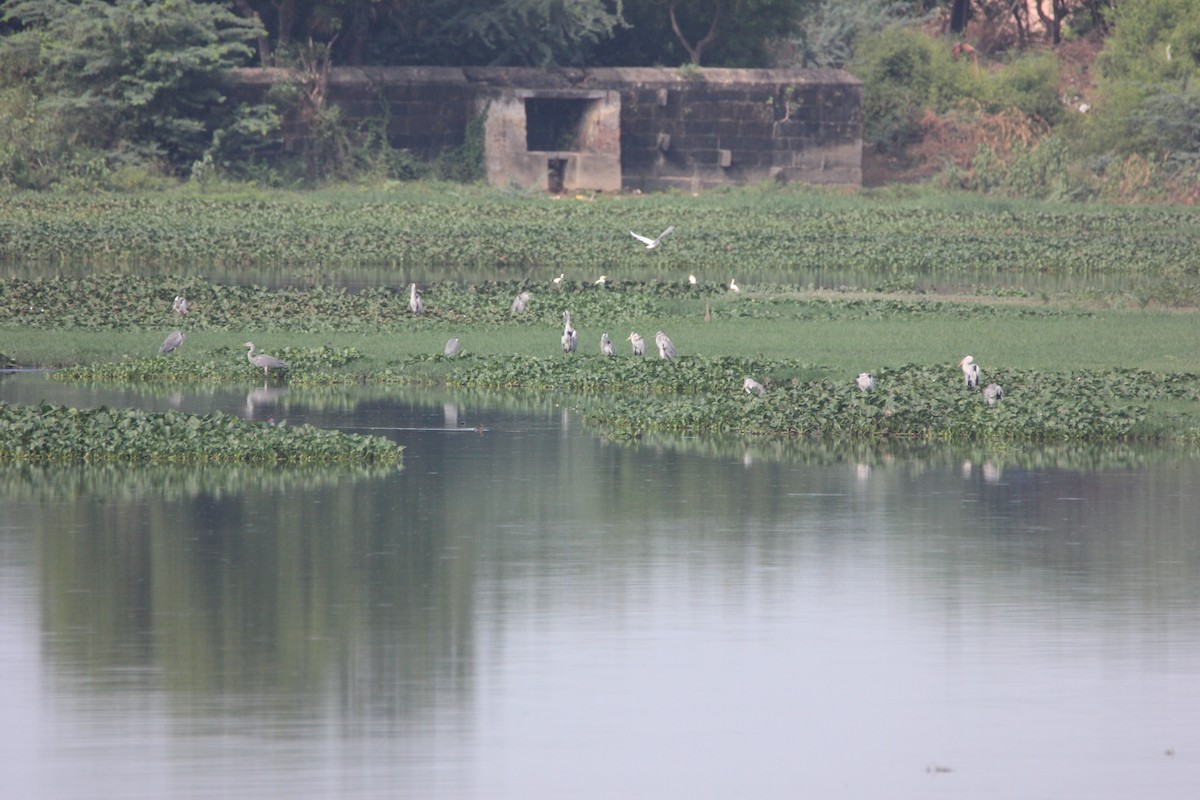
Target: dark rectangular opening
(555, 124)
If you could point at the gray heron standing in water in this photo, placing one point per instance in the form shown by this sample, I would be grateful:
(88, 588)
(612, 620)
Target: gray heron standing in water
(570, 338)
(639, 344)
(652, 243)
(865, 381)
(666, 349)
(606, 345)
(970, 371)
(172, 342)
(263, 360)
(414, 301)
(993, 394)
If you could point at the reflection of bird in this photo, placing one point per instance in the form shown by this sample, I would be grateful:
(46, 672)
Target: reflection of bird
(600, 281)
(606, 345)
(173, 340)
(262, 396)
(518, 305)
(414, 301)
(865, 381)
(180, 305)
(752, 386)
(263, 360)
(665, 347)
(639, 344)
(451, 346)
(733, 286)
(651, 243)
(569, 338)
(970, 371)
(993, 393)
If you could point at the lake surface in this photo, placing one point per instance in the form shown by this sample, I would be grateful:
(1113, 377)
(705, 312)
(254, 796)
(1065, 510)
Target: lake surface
(535, 611)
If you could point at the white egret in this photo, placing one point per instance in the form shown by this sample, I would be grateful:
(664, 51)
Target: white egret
(606, 345)
(651, 243)
(600, 281)
(970, 372)
(865, 381)
(733, 287)
(666, 349)
(639, 344)
(692, 279)
(558, 281)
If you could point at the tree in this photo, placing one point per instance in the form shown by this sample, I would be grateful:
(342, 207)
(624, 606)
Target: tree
(129, 76)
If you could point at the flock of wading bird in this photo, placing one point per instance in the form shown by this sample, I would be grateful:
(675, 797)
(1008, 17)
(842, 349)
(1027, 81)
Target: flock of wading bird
(992, 393)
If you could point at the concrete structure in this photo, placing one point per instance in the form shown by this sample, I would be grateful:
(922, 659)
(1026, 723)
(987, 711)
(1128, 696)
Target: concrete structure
(608, 129)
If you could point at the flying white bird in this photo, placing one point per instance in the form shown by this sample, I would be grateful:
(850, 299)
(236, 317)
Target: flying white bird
(639, 344)
(173, 340)
(606, 345)
(666, 349)
(865, 381)
(970, 371)
(993, 394)
(414, 301)
(651, 243)
(752, 386)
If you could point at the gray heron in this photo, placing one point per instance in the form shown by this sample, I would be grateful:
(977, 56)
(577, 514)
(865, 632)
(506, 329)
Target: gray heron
(606, 345)
(173, 340)
(865, 381)
(451, 346)
(993, 394)
(414, 301)
(970, 371)
(639, 344)
(651, 243)
(180, 305)
(751, 386)
(570, 338)
(263, 360)
(666, 349)
(518, 306)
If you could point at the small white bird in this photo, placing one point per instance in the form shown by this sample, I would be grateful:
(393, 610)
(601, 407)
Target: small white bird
(606, 345)
(414, 301)
(518, 305)
(570, 339)
(733, 286)
(173, 340)
(451, 347)
(865, 381)
(639, 344)
(970, 372)
(993, 394)
(666, 349)
(692, 280)
(600, 281)
(651, 243)
(750, 386)
(558, 281)
(180, 305)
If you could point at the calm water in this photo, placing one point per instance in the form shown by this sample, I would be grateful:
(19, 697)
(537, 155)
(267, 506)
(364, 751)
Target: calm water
(533, 611)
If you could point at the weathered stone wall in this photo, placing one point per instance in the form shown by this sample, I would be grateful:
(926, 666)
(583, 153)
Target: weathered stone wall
(690, 130)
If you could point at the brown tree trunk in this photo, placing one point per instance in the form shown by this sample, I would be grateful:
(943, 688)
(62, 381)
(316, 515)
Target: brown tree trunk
(696, 52)
(265, 56)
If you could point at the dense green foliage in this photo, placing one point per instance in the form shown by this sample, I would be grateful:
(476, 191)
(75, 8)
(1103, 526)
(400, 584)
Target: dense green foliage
(746, 234)
(57, 433)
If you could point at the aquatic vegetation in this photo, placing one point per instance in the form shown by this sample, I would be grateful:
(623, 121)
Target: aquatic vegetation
(307, 366)
(49, 433)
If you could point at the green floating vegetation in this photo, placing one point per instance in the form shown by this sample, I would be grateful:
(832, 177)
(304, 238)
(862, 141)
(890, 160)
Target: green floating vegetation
(50, 433)
(307, 366)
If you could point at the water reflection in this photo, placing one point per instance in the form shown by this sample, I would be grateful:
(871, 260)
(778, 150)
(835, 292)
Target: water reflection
(540, 611)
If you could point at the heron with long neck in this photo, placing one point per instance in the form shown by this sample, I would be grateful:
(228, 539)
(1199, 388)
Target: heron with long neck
(970, 371)
(263, 360)
(414, 301)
